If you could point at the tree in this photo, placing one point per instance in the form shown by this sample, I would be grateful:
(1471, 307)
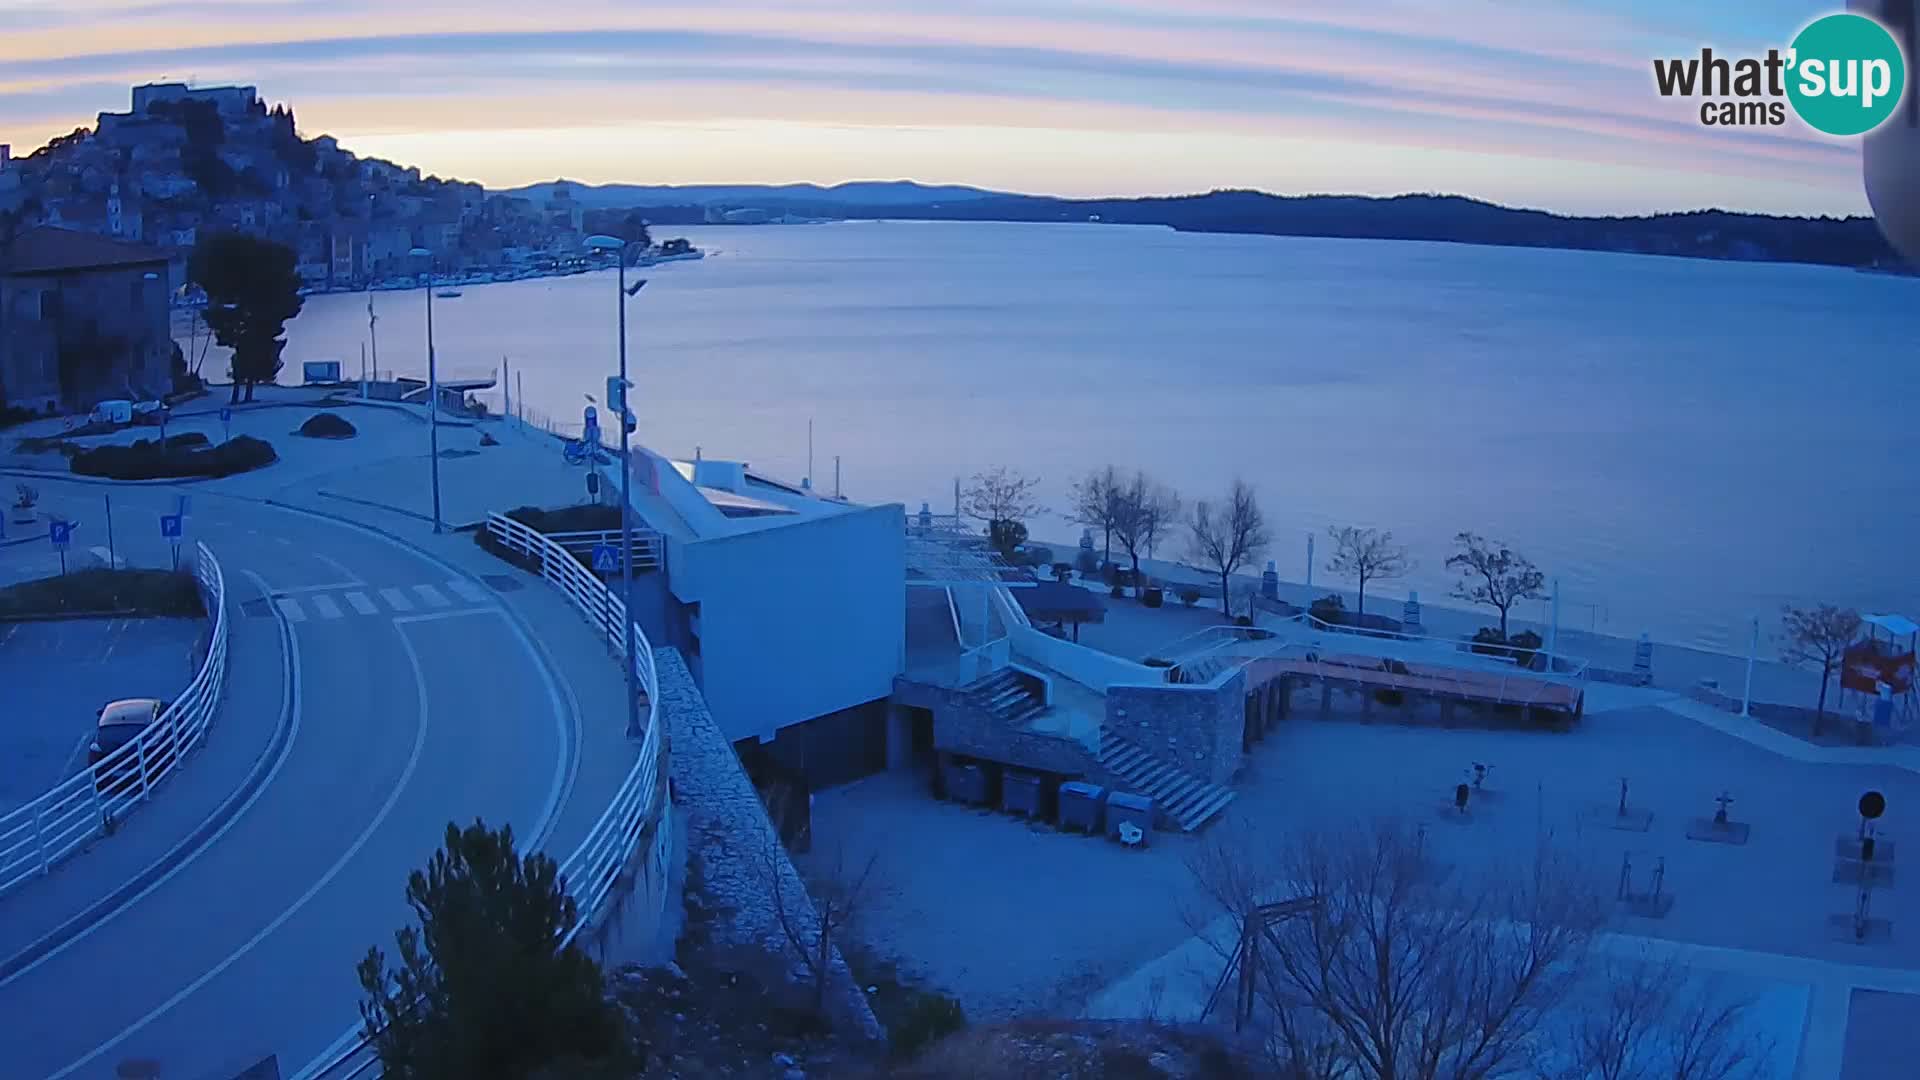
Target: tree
(1143, 512)
(1226, 534)
(1386, 966)
(841, 889)
(1002, 497)
(1650, 1018)
(485, 988)
(1365, 555)
(1093, 502)
(1819, 635)
(252, 290)
(1493, 575)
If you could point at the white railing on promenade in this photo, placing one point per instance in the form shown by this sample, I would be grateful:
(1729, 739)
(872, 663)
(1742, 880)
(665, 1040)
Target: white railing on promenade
(92, 802)
(648, 550)
(592, 871)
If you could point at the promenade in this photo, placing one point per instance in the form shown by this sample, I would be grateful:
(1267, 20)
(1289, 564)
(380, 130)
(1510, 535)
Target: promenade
(384, 681)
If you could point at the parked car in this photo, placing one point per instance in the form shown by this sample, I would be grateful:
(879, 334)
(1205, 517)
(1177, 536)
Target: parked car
(120, 722)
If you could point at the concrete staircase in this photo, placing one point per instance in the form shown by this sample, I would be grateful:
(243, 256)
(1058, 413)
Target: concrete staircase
(1188, 800)
(1005, 696)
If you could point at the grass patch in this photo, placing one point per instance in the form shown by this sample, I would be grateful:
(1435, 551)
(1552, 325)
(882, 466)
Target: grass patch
(915, 1019)
(148, 460)
(102, 591)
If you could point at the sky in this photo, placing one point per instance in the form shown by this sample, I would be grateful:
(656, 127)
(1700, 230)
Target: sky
(1538, 103)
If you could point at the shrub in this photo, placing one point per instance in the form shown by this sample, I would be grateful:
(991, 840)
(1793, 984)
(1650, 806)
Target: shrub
(14, 414)
(926, 1020)
(1062, 572)
(1036, 555)
(1525, 646)
(327, 425)
(1243, 620)
(1117, 591)
(1153, 597)
(487, 439)
(1087, 563)
(147, 460)
(1329, 609)
(187, 440)
(1189, 596)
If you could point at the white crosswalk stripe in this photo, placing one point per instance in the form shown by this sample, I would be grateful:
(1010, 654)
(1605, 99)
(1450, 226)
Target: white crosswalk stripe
(325, 606)
(396, 599)
(468, 591)
(290, 608)
(360, 603)
(431, 596)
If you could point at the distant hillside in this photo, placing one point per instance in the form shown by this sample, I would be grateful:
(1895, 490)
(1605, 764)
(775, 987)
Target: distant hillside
(886, 193)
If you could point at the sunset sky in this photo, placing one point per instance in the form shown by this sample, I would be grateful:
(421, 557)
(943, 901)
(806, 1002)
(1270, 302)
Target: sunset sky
(1546, 103)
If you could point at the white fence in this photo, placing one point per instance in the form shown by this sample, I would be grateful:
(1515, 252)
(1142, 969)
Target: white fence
(593, 869)
(648, 550)
(93, 802)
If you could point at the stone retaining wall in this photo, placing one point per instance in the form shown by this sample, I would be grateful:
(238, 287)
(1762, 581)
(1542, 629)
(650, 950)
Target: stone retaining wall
(742, 863)
(1197, 728)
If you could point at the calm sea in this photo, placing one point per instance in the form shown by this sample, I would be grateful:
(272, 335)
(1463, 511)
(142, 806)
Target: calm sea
(1684, 444)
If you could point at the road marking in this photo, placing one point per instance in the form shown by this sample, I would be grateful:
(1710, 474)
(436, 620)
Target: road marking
(360, 603)
(290, 715)
(468, 591)
(346, 574)
(290, 608)
(431, 596)
(325, 606)
(290, 590)
(393, 798)
(396, 599)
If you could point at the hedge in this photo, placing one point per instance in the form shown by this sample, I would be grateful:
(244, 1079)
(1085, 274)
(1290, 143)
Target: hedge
(146, 460)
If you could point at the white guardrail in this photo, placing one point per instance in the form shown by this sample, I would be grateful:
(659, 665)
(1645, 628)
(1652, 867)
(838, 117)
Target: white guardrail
(593, 869)
(92, 802)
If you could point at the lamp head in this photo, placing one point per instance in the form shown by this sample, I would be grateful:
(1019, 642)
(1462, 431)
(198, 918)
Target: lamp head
(421, 253)
(1890, 154)
(603, 242)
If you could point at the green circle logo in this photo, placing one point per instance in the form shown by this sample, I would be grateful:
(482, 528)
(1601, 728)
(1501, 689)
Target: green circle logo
(1847, 74)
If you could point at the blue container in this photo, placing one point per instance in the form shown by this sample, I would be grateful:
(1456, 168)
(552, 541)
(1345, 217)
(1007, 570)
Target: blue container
(1081, 804)
(1020, 793)
(1129, 809)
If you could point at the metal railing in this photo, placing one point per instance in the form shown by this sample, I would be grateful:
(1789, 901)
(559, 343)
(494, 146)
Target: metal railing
(94, 801)
(593, 870)
(648, 551)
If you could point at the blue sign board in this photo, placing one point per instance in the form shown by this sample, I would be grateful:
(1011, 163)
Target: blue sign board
(60, 532)
(605, 557)
(226, 415)
(170, 526)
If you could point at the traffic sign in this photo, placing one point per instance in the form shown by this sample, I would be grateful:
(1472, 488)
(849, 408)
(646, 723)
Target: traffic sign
(60, 532)
(605, 557)
(226, 415)
(170, 526)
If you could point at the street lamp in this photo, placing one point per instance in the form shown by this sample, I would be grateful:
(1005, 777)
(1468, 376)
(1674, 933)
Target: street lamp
(619, 247)
(433, 391)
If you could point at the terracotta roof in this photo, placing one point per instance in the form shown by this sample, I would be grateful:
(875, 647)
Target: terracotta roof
(50, 250)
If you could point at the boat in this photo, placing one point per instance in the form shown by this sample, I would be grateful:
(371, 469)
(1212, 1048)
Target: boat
(448, 294)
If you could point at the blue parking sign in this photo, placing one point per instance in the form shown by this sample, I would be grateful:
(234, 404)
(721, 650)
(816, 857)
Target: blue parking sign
(60, 532)
(605, 557)
(226, 414)
(170, 526)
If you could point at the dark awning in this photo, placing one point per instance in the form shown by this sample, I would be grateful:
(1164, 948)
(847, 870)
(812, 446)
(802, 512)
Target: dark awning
(1053, 601)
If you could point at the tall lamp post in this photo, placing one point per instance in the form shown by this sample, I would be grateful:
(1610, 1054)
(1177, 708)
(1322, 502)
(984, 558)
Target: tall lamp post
(619, 248)
(433, 392)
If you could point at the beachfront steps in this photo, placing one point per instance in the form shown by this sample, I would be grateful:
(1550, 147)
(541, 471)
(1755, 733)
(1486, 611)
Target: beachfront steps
(1005, 696)
(1185, 799)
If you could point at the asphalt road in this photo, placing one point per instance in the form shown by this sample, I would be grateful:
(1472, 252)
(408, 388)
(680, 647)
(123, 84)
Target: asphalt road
(414, 700)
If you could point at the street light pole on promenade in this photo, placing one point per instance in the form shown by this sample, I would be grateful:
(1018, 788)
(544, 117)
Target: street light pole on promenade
(433, 393)
(622, 295)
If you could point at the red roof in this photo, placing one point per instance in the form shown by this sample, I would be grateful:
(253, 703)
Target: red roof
(50, 250)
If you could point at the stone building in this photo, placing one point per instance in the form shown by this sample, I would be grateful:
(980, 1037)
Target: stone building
(82, 318)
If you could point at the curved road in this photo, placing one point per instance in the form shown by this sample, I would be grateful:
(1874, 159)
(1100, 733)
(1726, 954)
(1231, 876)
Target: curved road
(411, 698)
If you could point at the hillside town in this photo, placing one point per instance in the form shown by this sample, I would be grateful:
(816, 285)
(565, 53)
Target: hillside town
(185, 162)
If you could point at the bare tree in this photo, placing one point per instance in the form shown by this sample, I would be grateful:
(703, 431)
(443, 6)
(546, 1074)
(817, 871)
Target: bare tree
(1651, 1018)
(1226, 534)
(1093, 502)
(1493, 575)
(1003, 498)
(1819, 635)
(1366, 555)
(1144, 511)
(1393, 968)
(840, 890)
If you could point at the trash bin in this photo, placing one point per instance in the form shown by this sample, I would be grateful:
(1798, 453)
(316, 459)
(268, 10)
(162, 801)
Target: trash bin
(1136, 810)
(1080, 805)
(1020, 793)
(967, 784)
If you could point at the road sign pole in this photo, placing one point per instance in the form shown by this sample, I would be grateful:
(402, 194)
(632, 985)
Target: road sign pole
(176, 556)
(113, 561)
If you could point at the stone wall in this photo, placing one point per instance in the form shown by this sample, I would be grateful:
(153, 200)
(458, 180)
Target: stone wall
(1197, 727)
(961, 726)
(742, 865)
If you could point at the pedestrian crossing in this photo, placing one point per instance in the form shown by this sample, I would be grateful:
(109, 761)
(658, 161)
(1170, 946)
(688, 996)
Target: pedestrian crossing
(327, 606)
